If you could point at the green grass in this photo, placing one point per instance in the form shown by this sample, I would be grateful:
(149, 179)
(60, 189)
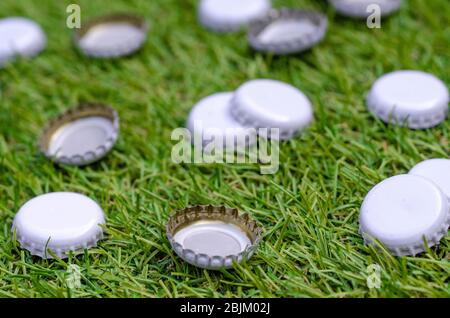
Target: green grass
(309, 209)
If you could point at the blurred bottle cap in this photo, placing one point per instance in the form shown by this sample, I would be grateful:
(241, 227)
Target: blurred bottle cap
(364, 8)
(20, 37)
(436, 170)
(230, 15)
(287, 31)
(112, 36)
(211, 118)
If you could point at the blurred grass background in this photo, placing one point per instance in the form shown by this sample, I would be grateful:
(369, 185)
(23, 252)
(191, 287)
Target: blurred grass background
(309, 209)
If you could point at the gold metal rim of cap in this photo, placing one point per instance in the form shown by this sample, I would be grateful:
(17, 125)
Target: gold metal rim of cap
(84, 110)
(131, 19)
(204, 213)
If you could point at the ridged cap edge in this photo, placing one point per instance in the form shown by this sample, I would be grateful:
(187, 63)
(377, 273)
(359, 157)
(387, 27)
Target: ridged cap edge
(191, 214)
(81, 111)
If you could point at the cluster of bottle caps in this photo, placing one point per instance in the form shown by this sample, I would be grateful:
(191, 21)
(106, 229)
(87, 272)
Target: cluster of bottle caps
(406, 213)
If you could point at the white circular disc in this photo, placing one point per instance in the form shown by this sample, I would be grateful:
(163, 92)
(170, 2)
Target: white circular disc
(287, 31)
(20, 36)
(213, 238)
(231, 15)
(60, 222)
(413, 98)
(436, 170)
(401, 210)
(364, 8)
(266, 103)
(112, 36)
(210, 119)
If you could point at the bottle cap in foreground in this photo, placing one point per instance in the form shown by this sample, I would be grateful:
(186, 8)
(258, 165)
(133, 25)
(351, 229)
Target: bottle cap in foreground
(403, 210)
(59, 222)
(210, 118)
(112, 36)
(266, 103)
(287, 31)
(230, 15)
(414, 99)
(213, 237)
(81, 135)
(20, 37)
(363, 8)
(436, 170)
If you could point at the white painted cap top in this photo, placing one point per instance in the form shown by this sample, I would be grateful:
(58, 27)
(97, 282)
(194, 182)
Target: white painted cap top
(363, 8)
(287, 31)
(59, 222)
(20, 37)
(211, 118)
(112, 36)
(231, 15)
(266, 103)
(400, 211)
(436, 170)
(413, 98)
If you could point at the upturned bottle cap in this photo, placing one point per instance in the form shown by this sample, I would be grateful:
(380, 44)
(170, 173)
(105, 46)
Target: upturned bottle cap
(81, 135)
(213, 237)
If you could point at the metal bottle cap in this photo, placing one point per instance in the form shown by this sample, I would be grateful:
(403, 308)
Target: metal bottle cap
(359, 8)
(59, 222)
(436, 170)
(112, 36)
(267, 103)
(20, 37)
(213, 237)
(403, 210)
(409, 98)
(287, 31)
(230, 15)
(211, 118)
(81, 135)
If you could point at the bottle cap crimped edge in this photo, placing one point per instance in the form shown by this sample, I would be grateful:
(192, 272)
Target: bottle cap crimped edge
(82, 111)
(187, 216)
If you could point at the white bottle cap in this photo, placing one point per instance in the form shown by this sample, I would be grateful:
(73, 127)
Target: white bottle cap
(287, 31)
(436, 170)
(266, 103)
(363, 9)
(231, 15)
(413, 98)
(59, 222)
(403, 210)
(210, 118)
(112, 36)
(20, 36)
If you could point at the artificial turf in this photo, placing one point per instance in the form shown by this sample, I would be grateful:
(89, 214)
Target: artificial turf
(309, 209)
